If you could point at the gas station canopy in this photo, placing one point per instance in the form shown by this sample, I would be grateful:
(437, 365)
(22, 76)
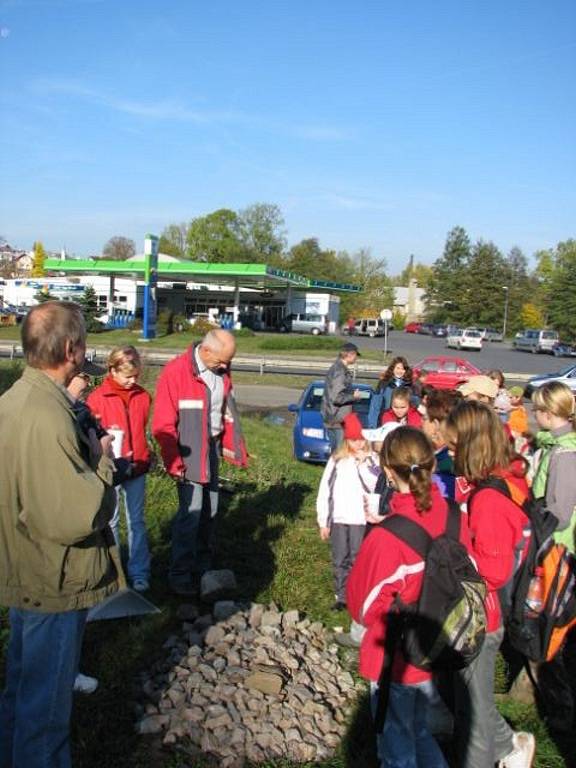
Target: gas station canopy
(259, 276)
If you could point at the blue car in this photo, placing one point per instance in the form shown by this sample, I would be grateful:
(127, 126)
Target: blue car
(310, 438)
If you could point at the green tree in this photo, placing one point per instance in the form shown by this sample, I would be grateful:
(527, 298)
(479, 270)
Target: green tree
(483, 296)
(308, 259)
(444, 293)
(38, 260)
(89, 305)
(376, 291)
(562, 295)
(44, 295)
(262, 231)
(518, 283)
(422, 273)
(542, 279)
(119, 248)
(216, 238)
(173, 240)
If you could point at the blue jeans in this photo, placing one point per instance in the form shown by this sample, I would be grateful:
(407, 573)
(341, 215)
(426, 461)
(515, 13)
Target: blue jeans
(41, 664)
(406, 741)
(193, 527)
(335, 437)
(134, 493)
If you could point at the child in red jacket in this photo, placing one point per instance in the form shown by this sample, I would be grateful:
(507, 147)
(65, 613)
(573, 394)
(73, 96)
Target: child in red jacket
(386, 569)
(401, 411)
(123, 407)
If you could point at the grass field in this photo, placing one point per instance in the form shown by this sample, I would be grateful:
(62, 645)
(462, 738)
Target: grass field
(269, 343)
(268, 536)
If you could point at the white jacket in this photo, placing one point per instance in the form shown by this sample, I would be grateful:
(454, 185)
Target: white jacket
(342, 490)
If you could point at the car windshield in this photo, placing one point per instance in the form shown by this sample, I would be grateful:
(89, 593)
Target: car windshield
(314, 399)
(570, 369)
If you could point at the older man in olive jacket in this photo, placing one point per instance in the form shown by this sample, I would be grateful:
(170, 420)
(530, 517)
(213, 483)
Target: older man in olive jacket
(56, 499)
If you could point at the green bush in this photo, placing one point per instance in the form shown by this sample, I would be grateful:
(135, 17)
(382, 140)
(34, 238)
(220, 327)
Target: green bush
(200, 326)
(283, 343)
(8, 375)
(244, 333)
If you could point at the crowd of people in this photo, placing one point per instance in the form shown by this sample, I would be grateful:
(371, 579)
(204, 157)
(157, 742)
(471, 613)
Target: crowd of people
(73, 458)
(422, 452)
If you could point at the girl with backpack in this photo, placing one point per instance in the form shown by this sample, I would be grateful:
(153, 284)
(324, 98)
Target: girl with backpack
(388, 569)
(555, 481)
(401, 411)
(499, 530)
(349, 477)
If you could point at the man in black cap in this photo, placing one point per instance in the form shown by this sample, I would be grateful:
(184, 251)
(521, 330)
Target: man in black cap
(339, 393)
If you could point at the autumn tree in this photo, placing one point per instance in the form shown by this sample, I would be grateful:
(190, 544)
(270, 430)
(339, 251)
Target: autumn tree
(119, 248)
(38, 260)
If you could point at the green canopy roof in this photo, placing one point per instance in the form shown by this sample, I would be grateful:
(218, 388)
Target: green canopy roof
(259, 276)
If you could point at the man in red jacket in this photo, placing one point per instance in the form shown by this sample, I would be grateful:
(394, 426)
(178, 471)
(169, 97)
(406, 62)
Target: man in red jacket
(195, 421)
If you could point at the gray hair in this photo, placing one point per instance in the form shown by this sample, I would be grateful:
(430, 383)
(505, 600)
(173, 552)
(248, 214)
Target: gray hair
(46, 331)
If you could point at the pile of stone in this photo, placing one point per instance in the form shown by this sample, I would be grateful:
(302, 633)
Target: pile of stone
(249, 683)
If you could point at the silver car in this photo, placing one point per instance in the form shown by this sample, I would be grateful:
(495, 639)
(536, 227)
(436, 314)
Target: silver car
(566, 376)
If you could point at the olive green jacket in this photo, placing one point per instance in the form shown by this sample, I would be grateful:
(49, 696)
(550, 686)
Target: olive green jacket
(56, 547)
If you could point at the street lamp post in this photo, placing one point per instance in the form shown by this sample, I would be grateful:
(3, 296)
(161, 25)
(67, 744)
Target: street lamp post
(506, 299)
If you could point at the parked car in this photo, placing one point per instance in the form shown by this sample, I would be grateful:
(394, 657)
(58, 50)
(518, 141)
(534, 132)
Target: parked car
(310, 439)
(565, 375)
(536, 340)
(445, 372)
(412, 327)
(440, 330)
(490, 334)
(304, 323)
(426, 329)
(467, 338)
(369, 327)
(563, 349)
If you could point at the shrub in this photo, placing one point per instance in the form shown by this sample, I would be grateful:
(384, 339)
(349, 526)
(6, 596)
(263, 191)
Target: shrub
(201, 326)
(282, 343)
(244, 333)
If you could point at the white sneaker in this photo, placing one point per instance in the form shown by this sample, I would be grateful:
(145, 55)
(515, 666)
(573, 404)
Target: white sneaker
(523, 753)
(85, 684)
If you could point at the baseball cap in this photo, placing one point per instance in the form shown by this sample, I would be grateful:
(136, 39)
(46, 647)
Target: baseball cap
(91, 369)
(349, 347)
(482, 385)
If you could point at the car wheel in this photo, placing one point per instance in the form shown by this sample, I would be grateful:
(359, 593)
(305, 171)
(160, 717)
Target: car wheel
(371, 334)
(315, 332)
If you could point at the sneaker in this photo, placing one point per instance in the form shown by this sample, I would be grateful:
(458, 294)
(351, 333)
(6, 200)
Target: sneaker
(523, 753)
(85, 684)
(141, 585)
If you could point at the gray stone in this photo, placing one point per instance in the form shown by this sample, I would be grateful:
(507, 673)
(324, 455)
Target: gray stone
(152, 724)
(255, 616)
(217, 585)
(214, 635)
(223, 609)
(264, 682)
(187, 612)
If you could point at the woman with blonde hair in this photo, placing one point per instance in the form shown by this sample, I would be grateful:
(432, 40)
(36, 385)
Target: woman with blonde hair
(122, 407)
(555, 482)
(500, 531)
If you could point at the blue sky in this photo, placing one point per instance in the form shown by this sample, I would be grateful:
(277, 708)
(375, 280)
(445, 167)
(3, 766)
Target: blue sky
(371, 124)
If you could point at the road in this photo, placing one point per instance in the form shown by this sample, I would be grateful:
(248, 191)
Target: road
(493, 355)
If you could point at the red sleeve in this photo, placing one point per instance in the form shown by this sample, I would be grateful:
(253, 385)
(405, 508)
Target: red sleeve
(414, 418)
(94, 402)
(165, 422)
(496, 528)
(375, 579)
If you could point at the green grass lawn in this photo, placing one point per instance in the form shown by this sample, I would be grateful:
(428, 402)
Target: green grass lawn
(269, 344)
(268, 536)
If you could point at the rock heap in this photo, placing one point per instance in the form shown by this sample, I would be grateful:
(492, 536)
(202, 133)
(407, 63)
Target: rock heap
(249, 683)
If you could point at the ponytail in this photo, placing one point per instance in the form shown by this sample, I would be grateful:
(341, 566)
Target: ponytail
(409, 453)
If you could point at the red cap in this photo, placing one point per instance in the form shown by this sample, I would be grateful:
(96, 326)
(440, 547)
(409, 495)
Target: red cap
(352, 427)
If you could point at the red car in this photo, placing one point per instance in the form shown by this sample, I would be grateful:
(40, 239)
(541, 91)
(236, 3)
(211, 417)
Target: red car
(412, 327)
(444, 372)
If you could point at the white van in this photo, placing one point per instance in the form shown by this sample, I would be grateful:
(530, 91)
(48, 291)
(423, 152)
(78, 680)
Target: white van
(369, 327)
(534, 340)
